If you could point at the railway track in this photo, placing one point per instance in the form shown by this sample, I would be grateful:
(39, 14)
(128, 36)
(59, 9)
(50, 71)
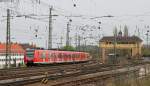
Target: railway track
(53, 72)
(91, 76)
(32, 71)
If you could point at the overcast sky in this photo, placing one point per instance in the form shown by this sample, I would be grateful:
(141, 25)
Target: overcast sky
(126, 12)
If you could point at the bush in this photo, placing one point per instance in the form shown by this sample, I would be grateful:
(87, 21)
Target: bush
(69, 48)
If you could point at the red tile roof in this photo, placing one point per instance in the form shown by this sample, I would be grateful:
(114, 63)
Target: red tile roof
(26, 46)
(15, 48)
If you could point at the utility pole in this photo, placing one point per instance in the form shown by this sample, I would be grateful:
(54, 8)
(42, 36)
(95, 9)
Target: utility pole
(70, 41)
(67, 34)
(138, 44)
(147, 34)
(85, 47)
(8, 42)
(115, 58)
(76, 40)
(61, 41)
(50, 29)
(79, 40)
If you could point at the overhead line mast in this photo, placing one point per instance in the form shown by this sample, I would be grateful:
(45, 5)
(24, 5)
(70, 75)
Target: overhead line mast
(8, 42)
(50, 29)
(67, 34)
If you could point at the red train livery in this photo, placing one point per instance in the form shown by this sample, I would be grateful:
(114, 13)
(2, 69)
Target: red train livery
(54, 56)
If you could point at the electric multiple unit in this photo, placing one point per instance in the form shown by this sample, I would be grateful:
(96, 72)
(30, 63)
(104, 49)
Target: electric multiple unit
(53, 56)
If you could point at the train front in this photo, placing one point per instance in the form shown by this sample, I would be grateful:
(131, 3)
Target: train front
(28, 58)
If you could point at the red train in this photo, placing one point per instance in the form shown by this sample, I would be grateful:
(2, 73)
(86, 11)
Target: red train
(53, 56)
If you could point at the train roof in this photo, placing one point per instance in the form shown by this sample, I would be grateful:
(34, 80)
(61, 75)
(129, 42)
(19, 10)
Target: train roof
(62, 51)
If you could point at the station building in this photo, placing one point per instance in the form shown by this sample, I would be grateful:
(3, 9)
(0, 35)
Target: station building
(17, 54)
(125, 47)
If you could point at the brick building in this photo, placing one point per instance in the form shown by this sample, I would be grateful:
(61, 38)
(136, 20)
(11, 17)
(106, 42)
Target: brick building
(126, 47)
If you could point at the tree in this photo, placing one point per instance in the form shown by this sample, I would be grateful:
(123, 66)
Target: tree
(115, 32)
(126, 31)
(68, 48)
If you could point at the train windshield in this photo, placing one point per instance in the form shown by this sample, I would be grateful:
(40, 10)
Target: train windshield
(30, 53)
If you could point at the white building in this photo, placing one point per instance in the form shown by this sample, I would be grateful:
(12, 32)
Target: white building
(17, 55)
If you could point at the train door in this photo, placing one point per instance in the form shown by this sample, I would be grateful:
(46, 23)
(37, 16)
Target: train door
(49, 57)
(43, 56)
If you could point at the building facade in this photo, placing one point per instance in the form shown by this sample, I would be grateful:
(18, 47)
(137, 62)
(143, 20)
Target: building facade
(123, 46)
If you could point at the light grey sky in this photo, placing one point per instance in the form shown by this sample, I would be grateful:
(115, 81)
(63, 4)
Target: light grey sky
(126, 12)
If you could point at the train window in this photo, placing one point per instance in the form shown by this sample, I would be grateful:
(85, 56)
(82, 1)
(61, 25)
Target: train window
(76, 55)
(30, 53)
(43, 55)
(55, 55)
(79, 55)
(49, 55)
(52, 55)
(66, 55)
(59, 55)
(63, 55)
(69, 55)
(72, 55)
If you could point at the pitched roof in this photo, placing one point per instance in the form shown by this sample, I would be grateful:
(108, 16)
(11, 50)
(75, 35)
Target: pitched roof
(15, 48)
(121, 39)
(26, 45)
